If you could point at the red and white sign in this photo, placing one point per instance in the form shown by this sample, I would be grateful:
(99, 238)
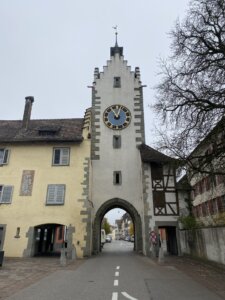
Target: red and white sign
(153, 237)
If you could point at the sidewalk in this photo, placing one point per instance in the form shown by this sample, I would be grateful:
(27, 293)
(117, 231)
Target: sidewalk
(18, 273)
(207, 274)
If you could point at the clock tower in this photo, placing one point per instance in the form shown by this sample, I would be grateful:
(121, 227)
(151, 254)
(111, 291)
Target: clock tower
(117, 132)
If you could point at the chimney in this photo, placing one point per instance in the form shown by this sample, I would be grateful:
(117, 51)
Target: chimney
(27, 111)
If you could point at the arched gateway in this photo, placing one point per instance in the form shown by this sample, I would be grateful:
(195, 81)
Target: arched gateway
(124, 170)
(117, 203)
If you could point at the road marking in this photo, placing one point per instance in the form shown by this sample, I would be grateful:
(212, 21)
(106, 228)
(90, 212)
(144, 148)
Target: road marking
(116, 282)
(128, 296)
(118, 267)
(114, 296)
(117, 274)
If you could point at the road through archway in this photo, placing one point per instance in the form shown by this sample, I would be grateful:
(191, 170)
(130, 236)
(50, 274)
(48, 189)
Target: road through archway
(117, 203)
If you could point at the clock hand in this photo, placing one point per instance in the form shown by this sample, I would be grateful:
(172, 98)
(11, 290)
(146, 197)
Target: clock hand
(114, 113)
(118, 112)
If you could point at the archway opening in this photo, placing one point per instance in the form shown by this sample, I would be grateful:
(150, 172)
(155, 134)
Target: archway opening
(49, 239)
(117, 231)
(127, 225)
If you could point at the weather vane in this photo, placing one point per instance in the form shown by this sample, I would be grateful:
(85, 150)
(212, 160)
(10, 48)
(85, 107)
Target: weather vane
(115, 27)
(116, 32)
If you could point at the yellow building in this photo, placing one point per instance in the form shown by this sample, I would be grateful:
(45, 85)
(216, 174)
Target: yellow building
(44, 186)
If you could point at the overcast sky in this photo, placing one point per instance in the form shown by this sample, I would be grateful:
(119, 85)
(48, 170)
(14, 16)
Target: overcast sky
(49, 49)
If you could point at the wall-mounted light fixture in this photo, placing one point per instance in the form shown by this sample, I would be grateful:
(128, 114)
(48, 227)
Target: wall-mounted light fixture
(17, 236)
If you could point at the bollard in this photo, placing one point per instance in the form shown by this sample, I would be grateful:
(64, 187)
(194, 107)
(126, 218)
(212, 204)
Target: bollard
(63, 257)
(161, 259)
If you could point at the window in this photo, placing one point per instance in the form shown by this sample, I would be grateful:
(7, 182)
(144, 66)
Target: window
(117, 82)
(6, 193)
(159, 199)
(156, 171)
(55, 194)
(117, 177)
(4, 156)
(61, 156)
(116, 141)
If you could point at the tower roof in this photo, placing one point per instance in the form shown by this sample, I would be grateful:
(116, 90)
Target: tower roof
(116, 48)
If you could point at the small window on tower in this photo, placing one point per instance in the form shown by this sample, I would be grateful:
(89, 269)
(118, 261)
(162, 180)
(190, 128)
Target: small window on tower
(117, 82)
(116, 141)
(117, 178)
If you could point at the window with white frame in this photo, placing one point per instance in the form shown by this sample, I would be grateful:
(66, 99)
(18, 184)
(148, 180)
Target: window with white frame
(55, 194)
(6, 194)
(4, 156)
(61, 156)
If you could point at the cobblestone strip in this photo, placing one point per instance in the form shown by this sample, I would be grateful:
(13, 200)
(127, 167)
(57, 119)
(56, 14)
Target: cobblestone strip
(19, 273)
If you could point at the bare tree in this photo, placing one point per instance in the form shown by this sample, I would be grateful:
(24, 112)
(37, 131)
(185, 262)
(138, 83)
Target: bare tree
(191, 94)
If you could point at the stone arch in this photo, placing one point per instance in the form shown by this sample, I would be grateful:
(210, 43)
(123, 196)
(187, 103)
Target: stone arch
(117, 203)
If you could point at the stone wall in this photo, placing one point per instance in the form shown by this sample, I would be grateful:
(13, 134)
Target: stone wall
(206, 243)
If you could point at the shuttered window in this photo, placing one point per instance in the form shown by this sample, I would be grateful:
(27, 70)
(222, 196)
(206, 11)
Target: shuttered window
(4, 156)
(6, 193)
(55, 194)
(61, 156)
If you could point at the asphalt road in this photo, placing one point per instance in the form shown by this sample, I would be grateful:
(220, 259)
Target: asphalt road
(116, 274)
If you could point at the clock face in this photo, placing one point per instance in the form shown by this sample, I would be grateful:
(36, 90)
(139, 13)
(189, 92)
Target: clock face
(117, 116)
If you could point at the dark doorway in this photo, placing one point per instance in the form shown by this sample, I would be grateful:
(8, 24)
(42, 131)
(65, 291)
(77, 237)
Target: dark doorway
(49, 239)
(171, 240)
(1, 237)
(168, 236)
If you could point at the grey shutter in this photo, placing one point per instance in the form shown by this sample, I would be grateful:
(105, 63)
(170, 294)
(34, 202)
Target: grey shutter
(2, 156)
(51, 194)
(56, 194)
(65, 156)
(60, 191)
(6, 194)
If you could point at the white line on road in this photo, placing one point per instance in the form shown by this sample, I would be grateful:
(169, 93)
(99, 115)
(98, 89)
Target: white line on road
(116, 282)
(118, 267)
(128, 296)
(114, 296)
(117, 274)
